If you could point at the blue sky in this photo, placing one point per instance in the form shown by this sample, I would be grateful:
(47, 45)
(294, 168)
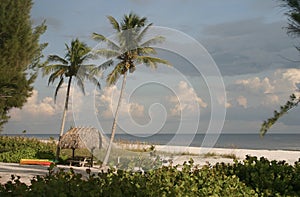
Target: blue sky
(245, 38)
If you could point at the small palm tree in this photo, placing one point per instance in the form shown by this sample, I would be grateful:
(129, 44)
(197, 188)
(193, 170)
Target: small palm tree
(72, 66)
(129, 51)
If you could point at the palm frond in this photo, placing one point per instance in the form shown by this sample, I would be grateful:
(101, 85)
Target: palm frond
(93, 70)
(145, 51)
(132, 21)
(114, 23)
(132, 69)
(80, 84)
(143, 32)
(77, 51)
(83, 52)
(87, 67)
(111, 44)
(152, 61)
(90, 73)
(69, 51)
(87, 70)
(47, 69)
(83, 71)
(61, 81)
(103, 66)
(91, 56)
(84, 56)
(95, 81)
(152, 41)
(55, 75)
(113, 77)
(107, 53)
(56, 58)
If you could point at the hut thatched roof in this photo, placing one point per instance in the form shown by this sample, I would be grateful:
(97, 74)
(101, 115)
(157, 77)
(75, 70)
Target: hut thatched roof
(81, 138)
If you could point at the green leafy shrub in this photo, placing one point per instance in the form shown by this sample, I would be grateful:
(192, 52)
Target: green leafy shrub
(13, 149)
(17, 155)
(165, 181)
(267, 178)
(193, 181)
(252, 177)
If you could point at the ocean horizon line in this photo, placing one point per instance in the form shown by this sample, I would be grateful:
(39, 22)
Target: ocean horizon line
(270, 141)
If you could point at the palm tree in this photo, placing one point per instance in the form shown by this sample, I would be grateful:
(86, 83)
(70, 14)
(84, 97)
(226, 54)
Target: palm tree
(72, 66)
(129, 50)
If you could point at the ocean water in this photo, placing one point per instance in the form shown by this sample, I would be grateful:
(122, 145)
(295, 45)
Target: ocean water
(247, 141)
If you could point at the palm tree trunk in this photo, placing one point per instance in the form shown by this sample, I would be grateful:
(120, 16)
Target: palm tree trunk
(114, 126)
(63, 119)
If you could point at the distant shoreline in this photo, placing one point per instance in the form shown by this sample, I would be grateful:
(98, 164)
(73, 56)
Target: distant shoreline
(289, 142)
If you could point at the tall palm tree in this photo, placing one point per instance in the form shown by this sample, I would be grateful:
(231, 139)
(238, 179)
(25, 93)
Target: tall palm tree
(129, 51)
(72, 66)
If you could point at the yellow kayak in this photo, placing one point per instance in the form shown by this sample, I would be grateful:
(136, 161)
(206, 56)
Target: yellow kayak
(44, 162)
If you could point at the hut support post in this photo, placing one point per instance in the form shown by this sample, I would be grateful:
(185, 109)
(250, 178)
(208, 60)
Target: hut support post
(73, 153)
(92, 156)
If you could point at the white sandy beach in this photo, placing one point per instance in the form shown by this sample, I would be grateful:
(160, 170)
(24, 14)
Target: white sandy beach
(289, 156)
(180, 154)
(197, 153)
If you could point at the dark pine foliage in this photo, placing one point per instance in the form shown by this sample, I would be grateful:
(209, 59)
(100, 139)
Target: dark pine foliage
(20, 52)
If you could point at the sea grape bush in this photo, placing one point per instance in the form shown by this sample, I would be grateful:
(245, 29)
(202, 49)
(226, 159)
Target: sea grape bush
(252, 177)
(12, 149)
(267, 178)
(190, 180)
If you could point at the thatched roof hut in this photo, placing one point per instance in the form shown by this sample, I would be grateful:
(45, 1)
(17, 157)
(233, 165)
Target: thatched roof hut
(81, 137)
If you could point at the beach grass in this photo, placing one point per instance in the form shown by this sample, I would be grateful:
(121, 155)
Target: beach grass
(216, 155)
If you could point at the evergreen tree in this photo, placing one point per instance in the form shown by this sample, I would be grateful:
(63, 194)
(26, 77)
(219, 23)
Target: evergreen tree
(293, 29)
(20, 53)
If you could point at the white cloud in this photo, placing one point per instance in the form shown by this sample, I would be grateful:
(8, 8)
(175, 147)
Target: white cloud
(109, 99)
(37, 108)
(228, 105)
(136, 109)
(242, 101)
(288, 79)
(34, 108)
(186, 99)
(268, 91)
(270, 100)
(257, 85)
(221, 102)
(292, 75)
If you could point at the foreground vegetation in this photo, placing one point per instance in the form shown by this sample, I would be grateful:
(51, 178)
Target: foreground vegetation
(252, 177)
(13, 149)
